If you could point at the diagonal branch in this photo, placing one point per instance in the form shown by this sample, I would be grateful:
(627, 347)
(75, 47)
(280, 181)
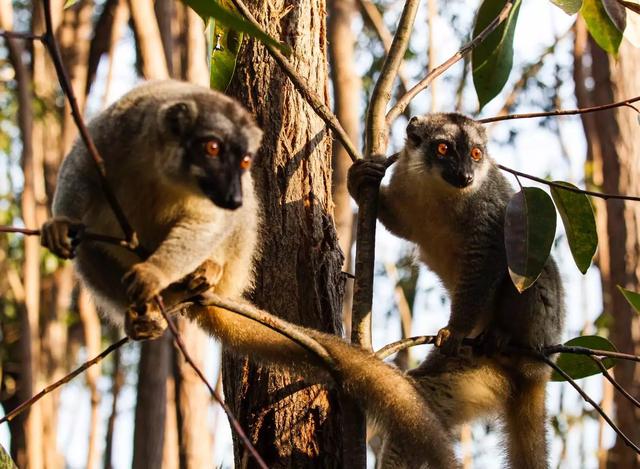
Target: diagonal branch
(65, 379)
(234, 422)
(586, 397)
(562, 112)
(312, 98)
(377, 128)
(51, 44)
(612, 380)
(404, 101)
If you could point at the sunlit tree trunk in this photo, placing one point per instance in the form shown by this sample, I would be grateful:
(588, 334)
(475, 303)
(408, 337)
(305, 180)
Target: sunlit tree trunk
(614, 150)
(291, 422)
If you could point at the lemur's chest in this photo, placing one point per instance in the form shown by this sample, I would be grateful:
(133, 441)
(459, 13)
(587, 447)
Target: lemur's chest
(441, 242)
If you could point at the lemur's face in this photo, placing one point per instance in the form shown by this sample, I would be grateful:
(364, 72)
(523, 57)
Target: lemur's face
(218, 140)
(449, 146)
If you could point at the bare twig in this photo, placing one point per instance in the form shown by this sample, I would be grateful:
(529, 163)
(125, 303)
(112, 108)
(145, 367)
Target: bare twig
(404, 101)
(20, 35)
(372, 16)
(51, 44)
(312, 98)
(561, 112)
(600, 195)
(26, 404)
(87, 235)
(586, 397)
(234, 422)
(377, 129)
(613, 381)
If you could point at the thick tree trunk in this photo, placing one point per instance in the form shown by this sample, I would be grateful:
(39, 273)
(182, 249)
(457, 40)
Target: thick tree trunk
(292, 423)
(614, 147)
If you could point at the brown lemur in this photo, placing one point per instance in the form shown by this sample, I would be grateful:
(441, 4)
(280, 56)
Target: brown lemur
(177, 157)
(447, 196)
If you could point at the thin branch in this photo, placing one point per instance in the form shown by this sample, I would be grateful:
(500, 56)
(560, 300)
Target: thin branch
(312, 98)
(553, 349)
(613, 381)
(276, 324)
(600, 195)
(377, 127)
(404, 101)
(87, 235)
(234, 422)
(586, 397)
(26, 404)
(20, 35)
(372, 16)
(561, 112)
(51, 44)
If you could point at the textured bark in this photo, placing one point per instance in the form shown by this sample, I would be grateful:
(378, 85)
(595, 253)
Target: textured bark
(615, 148)
(291, 422)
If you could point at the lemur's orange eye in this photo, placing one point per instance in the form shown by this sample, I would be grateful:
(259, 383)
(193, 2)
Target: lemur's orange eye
(245, 162)
(476, 154)
(442, 149)
(212, 147)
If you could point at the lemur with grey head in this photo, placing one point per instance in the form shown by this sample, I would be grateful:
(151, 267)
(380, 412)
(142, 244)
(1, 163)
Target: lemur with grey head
(448, 197)
(177, 156)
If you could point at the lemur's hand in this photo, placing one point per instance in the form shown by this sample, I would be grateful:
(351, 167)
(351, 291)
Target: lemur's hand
(143, 282)
(61, 235)
(449, 341)
(363, 172)
(205, 277)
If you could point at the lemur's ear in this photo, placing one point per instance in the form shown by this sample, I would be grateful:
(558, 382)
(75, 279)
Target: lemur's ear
(413, 135)
(178, 117)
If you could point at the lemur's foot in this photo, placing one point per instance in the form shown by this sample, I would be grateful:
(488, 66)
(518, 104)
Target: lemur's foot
(144, 323)
(61, 235)
(363, 172)
(449, 342)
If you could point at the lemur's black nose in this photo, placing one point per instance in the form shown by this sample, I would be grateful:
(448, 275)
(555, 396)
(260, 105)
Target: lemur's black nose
(468, 179)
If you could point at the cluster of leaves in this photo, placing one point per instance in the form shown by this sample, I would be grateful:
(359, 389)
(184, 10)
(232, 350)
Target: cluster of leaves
(608, 21)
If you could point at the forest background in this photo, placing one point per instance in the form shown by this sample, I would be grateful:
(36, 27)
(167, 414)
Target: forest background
(143, 403)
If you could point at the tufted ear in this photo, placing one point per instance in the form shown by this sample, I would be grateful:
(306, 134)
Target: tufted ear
(413, 134)
(178, 117)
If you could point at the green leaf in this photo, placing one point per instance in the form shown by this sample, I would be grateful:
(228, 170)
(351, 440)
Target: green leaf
(600, 25)
(580, 366)
(622, 15)
(212, 9)
(568, 6)
(69, 3)
(5, 460)
(530, 226)
(579, 223)
(492, 59)
(224, 45)
(632, 297)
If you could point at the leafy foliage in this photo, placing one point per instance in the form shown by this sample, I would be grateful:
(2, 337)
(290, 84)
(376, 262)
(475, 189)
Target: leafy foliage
(568, 6)
(212, 9)
(5, 460)
(632, 297)
(224, 44)
(579, 223)
(603, 30)
(492, 59)
(580, 366)
(530, 227)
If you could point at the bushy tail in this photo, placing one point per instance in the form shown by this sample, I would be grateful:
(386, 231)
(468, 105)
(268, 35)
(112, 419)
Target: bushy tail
(386, 395)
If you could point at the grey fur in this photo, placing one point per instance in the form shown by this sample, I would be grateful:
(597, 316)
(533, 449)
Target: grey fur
(459, 233)
(143, 139)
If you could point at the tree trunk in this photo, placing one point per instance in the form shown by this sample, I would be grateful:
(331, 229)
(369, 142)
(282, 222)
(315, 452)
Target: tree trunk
(292, 423)
(614, 146)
